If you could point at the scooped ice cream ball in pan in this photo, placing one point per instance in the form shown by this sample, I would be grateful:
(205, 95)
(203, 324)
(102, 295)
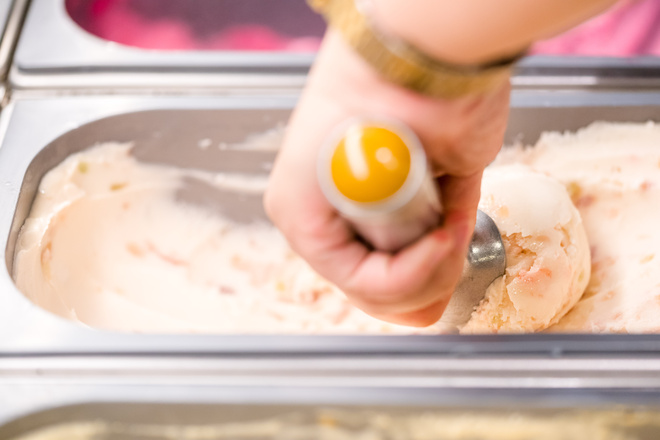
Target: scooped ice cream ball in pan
(548, 258)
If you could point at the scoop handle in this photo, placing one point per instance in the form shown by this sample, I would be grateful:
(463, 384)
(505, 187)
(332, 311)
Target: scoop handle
(395, 230)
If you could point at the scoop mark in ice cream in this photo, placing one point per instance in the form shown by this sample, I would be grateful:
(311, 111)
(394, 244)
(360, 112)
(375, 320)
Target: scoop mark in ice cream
(546, 248)
(82, 252)
(135, 259)
(126, 256)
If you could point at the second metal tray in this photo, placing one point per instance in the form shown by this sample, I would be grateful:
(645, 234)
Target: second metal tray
(195, 410)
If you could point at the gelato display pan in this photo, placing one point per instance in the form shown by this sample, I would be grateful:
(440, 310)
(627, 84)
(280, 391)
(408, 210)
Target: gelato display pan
(183, 46)
(12, 13)
(205, 25)
(173, 130)
(187, 46)
(11, 17)
(138, 412)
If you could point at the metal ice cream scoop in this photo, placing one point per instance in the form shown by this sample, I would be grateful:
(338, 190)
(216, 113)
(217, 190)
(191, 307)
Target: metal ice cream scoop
(485, 262)
(375, 173)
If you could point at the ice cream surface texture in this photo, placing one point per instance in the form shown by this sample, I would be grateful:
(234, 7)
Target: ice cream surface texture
(612, 172)
(107, 244)
(546, 248)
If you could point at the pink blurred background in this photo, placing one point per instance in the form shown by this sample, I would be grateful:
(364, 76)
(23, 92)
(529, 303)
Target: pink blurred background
(284, 25)
(631, 28)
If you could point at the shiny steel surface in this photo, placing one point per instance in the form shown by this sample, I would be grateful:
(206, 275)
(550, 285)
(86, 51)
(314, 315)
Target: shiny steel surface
(12, 13)
(5, 8)
(105, 385)
(11, 18)
(55, 53)
(32, 383)
(486, 261)
(207, 389)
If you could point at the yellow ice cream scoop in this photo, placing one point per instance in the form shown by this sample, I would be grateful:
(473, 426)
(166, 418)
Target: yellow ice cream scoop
(374, 171)
(369, 164)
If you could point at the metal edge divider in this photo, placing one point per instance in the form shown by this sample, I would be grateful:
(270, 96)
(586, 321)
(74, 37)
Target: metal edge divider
(11, 32)
(535, 72)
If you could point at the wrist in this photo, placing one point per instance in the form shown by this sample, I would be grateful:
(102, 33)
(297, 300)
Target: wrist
(401, 63)
(340, 74)
(448, 32)
(479, 31)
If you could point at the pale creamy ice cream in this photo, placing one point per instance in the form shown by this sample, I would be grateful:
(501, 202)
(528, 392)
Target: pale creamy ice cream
(612, 172)
(546, 248)
(107, 244)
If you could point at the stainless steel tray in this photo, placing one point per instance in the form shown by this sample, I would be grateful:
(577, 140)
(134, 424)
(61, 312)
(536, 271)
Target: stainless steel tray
(54, 53)
(11, 18)
(583, 72)
(38, 133)
(139, 412)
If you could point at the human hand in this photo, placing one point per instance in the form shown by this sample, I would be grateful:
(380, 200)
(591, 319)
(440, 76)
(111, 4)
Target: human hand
(460, 137)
